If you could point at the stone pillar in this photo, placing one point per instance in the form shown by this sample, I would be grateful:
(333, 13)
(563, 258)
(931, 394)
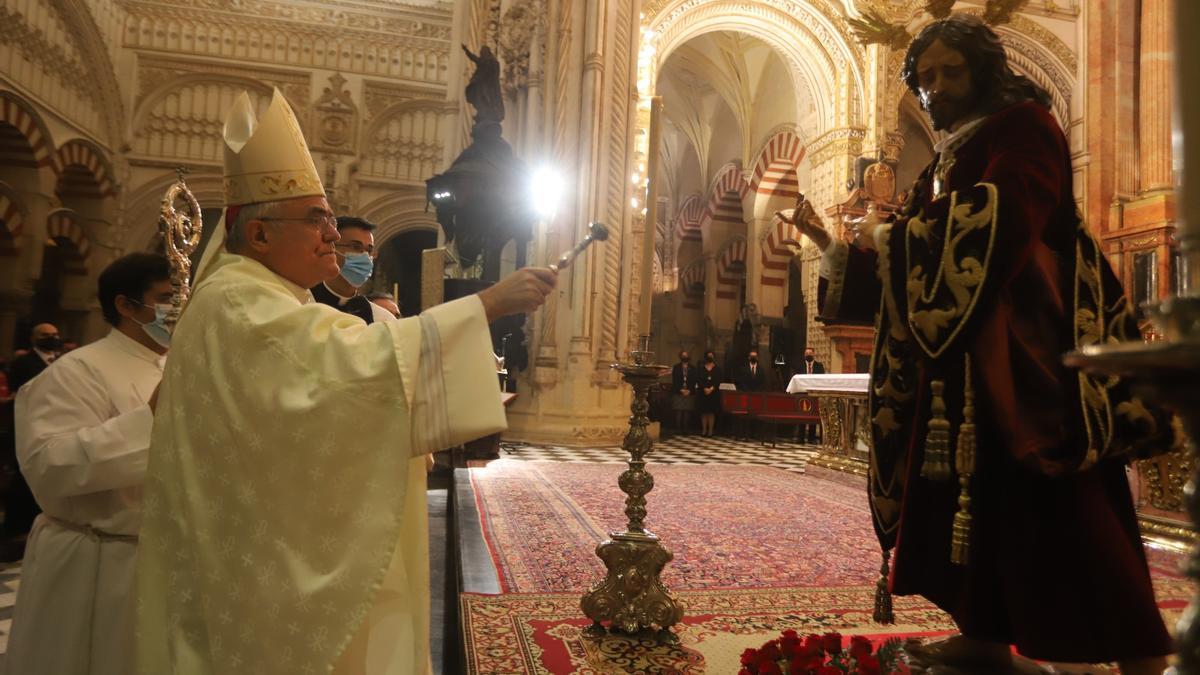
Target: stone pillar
(1156, 96)
(1127, 103)
(33, 246)
(710, 288)
(756, 231)
(1109, 119)
(13, 302)
(572, 396)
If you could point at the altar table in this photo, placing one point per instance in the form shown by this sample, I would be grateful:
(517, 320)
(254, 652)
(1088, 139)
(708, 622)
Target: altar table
(845, 420)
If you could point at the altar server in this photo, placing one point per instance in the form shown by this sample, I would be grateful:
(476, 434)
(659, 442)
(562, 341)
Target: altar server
(83, 432)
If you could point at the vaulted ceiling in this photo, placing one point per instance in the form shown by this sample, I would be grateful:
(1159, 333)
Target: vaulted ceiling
(724, 93)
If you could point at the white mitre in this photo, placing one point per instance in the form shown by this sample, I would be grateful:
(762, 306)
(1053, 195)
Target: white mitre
(266, 160)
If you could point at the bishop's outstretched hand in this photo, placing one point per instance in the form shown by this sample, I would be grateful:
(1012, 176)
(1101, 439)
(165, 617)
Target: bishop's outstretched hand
(805, 218)
(521, 292)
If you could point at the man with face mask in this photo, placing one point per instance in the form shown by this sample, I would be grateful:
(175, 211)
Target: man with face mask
(47, 346)
(356, 260)
(20, 508)
(83, 432)
(752, 376)
(998, 475)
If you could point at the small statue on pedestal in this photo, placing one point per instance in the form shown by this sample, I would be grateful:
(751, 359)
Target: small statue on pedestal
(483, 91)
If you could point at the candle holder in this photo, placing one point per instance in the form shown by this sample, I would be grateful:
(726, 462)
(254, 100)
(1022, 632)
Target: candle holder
(632, 598)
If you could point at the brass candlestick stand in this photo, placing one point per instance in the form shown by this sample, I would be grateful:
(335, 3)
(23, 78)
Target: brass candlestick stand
(631, 597)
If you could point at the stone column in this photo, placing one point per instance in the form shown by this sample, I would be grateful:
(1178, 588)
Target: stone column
(756, 231)
(710, 287)
(13, 301)
(1156, 96)
(1127, 104)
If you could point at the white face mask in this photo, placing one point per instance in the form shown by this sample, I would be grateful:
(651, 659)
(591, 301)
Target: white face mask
(157, 329)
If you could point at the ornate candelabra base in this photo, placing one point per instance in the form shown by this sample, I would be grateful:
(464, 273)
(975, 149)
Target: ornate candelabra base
(632, 598)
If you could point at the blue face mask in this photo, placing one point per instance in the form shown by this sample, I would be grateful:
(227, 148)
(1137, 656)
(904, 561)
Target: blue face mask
(157, 329)
(357, 268)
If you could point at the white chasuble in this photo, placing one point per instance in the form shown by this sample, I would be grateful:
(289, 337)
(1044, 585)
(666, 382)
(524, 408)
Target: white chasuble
(284, 521)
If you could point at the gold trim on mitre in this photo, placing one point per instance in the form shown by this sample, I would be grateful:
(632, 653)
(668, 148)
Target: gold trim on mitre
(267, 159)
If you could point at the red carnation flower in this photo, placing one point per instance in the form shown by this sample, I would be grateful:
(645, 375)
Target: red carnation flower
(832, 643)
(859, 646)
(749, 657)
(769, 668)
(867, 665)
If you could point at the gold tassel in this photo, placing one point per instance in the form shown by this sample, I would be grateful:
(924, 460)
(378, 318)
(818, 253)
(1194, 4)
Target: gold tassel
(937, 442)
(964, 462)
(883, 596)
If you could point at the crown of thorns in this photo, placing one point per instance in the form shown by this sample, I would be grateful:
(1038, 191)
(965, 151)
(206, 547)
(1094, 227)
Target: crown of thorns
(873, 28)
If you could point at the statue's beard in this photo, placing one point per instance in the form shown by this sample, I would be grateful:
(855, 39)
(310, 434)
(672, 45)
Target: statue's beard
(945, 111)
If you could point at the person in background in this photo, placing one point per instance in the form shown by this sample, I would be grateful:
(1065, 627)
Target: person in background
(811, 365)
(47, 346)
(708, 385)
(386, 301)
(83, 435)
(752, 376)
(683, 392)
(355, 252)
(20, 508)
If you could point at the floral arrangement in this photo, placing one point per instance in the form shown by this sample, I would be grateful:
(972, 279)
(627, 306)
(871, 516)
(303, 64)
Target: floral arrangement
(789, 654)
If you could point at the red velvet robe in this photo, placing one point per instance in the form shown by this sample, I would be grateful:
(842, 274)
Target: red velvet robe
(1056, 565)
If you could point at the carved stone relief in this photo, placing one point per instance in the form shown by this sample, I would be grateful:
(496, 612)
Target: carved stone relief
(335, 119)
(518, 30)
(155, 72)
(286, 33)
(44, 41)
(404, 143)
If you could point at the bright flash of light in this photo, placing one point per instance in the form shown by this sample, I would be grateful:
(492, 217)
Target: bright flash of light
(545, 191)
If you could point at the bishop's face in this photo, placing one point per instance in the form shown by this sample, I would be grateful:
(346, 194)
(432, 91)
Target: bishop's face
(300, 241)
(944, 86)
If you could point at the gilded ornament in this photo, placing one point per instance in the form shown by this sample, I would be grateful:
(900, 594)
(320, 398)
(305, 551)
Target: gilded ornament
(879, 181)
(632, 598)
(964, 466)
(936, 463)
(875, 28)
(181, 232)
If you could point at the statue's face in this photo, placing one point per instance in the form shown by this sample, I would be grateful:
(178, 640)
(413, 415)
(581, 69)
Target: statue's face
(944, 85)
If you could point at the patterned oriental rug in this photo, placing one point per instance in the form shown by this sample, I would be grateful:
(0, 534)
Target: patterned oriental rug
(757, 550)
(542, 632)
(728, 526)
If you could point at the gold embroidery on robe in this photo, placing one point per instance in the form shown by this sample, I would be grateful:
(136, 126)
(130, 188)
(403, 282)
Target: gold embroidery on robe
(1117, 423)
(890, 397)
(946, 267)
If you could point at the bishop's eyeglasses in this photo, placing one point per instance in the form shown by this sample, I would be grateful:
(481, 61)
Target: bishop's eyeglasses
(318, 222)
